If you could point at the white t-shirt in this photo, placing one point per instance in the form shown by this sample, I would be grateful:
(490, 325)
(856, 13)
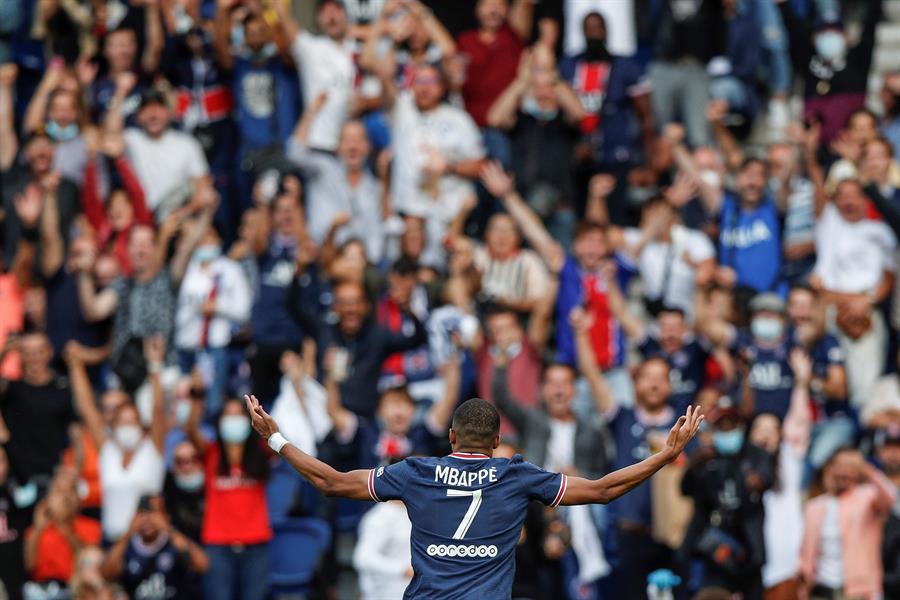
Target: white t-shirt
(830, 562)
(783, 528)
(164, 165)
(689, 247)
(304, 422)
(852, 257)
(123, 486)
(382, 555)
(325, 66)
(561, 445)
(233, 301)
(447, 130)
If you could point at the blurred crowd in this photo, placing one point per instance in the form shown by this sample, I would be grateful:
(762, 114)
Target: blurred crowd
(593, 213)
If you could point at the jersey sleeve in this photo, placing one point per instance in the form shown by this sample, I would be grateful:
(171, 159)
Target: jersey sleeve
(388, 483)
(542, 485)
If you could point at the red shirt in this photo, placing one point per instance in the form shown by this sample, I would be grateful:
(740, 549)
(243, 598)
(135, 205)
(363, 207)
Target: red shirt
(490, 68)
(235, 506)
(55, 559)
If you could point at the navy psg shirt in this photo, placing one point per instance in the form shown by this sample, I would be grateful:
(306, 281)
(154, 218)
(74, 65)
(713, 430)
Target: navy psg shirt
(467, 512)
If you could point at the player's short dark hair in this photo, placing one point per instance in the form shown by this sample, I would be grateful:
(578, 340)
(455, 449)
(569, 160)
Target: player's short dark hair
(476, 423)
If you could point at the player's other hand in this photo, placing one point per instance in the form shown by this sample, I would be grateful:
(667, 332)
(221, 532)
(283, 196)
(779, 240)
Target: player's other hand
(683, 431)
(262, 423)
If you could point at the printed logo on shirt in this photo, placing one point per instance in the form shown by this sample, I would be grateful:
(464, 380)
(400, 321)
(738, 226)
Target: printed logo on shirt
(744, 237)
(463, 550)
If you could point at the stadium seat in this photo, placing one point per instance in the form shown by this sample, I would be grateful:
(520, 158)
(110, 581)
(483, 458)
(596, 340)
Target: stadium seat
(294, 554)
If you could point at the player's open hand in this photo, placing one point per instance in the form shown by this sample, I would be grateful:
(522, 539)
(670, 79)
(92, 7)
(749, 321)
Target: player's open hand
(262, 423)
(683, 431)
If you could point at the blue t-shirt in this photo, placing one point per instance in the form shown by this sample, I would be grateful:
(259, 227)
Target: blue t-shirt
(750, 243)
(826, 352)
(687, 368)
(771, 378)
(270, 317)
(268, 101)
(467, 512)
(632, 446)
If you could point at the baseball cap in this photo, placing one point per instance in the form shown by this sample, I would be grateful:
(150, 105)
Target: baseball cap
(767, 302)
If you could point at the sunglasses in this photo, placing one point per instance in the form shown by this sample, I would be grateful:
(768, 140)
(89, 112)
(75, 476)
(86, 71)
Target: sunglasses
(181, 461)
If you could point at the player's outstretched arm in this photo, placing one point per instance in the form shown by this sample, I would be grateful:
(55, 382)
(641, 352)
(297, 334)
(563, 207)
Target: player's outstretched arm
(617, 483)
(329, 481)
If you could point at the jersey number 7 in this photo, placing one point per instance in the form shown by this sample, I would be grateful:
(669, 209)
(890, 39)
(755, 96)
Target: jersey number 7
(470, 514)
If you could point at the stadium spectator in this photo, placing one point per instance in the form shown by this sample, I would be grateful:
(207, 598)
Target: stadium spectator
(152, 557)
(832, 86)
(437, 152)
(236, 528)
(131, 461)
(786, 443)
(553, 434)
(837, 556)
(183, 490)
(361, 345)
(887, 452)
(169, 164)
(727, 481)
(382, 554)
(35, 414)
(341, 188)
(14, 511)
(615, 96)
(687, 37)
(57, 534)
(856, 292)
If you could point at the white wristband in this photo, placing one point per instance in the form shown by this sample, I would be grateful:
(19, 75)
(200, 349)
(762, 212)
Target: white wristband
(277, 442)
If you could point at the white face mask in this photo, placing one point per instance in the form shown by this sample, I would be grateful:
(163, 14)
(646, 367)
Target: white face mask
(831, 45)
(128, 436)
(711, 178)
(182, 412)
(234, 429)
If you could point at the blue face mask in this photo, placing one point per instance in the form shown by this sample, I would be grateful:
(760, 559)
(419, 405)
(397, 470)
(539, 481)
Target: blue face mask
(766, 329)
(531, 106)
(58, 133)
(190, 482)
(234, 429)
(728, 443)
(207, 253)
(25, 495)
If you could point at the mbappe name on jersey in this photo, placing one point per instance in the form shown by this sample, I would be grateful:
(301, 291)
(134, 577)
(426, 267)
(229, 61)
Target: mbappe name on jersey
(455, 477)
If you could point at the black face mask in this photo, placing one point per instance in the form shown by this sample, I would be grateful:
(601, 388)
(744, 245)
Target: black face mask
(595, 50)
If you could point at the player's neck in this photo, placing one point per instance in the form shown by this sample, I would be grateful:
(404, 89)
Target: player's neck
(472, 450)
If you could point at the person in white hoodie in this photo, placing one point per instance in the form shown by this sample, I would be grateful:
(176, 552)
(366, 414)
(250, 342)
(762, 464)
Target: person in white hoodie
(213, 301)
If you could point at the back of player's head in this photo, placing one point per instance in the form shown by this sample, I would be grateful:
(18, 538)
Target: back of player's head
(476, 423)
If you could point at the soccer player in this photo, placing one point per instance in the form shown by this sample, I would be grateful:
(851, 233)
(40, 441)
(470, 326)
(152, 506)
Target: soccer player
(467, 508)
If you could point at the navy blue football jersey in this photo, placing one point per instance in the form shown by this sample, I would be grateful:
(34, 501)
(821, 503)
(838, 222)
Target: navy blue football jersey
(466, 512)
